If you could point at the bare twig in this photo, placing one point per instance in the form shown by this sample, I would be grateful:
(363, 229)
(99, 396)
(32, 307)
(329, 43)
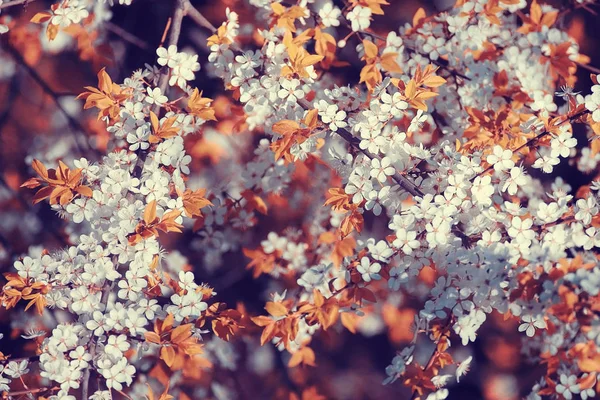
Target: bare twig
(440, 62)
(128, 37)
(165, 31)
(197, 17)
(11, 395)
(15, 3)
(588, 67)
(574, 7)
(201, 21)
(73, 123)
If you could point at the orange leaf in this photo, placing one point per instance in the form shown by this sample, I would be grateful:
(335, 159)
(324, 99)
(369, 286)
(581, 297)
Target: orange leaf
(304, 356)
(434, 81)
(41, 17)
(418, 17)
(371, 49)
(152, 337)
(84, 191)
(181, 333)
(343, 248)
(311, 118)
(150, 212)
(276, 309)
(40, 169)
(389, 63)
(285, 127)
(167, 354)
(411, 89)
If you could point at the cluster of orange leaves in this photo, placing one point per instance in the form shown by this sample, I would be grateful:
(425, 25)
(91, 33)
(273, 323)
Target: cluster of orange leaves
(17, 288)
(417, 90)
(62, 184)
(292, 133)
(299, 58)
(176, 343)
(283, 324)
(108, 97)
(179, 343)
(84, 33)
(151, 224)
(370, 73)
(341, 202)
(200, 106)
(284, 17)
(417, 377)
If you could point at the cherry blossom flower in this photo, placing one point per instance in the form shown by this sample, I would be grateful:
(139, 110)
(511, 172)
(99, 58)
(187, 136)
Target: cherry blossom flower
(360, 18)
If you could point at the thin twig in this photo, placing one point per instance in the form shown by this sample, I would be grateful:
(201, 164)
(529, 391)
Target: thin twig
(11, 395)
(73, 123)
(165, 31)
(588, 67)
(198, 18)
(201, 21)
(15, 3)
(128, 37)
(573, 7)
(401, 180)
(440, 62)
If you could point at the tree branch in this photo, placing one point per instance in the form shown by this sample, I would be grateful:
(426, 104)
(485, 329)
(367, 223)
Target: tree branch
(401, 180)
(86, 375)
(180, 12)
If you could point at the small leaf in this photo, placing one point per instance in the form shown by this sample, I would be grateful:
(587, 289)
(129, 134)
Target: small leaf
(167, 354)
(41, 17)
(371, 49)
(419, 15)
(434, 81)
(276, 309)
(411, 89)
(285, 127)
(150, 212)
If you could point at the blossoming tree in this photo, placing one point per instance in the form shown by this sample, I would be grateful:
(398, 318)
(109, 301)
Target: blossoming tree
(406, 178)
